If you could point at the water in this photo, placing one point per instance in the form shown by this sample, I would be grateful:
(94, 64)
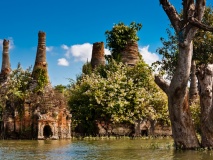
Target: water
(106, 149)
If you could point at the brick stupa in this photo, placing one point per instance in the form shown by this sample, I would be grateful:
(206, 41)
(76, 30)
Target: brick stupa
(130, 55)
(5, 68)
(40, 61)
(45, 112)
(97, 55)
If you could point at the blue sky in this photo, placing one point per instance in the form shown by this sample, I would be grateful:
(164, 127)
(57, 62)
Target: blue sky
(72, 26)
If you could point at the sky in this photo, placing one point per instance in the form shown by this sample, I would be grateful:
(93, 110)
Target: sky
(72, 26)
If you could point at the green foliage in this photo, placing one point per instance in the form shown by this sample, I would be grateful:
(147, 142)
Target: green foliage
(169, 53)
(16, 90)
(19, 80)
(87, 68)
(202, 48)
(41, 80)
(117, 93)
(203, 42)
(60, 88)
(118, 37)
(195, 111)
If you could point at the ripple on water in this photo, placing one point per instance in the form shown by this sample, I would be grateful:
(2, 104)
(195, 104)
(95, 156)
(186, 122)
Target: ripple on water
(116, 149)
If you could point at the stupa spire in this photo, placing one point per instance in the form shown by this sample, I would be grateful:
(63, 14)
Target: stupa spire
(97, 55)
(130, 55)
(40, 66)
(5, 68)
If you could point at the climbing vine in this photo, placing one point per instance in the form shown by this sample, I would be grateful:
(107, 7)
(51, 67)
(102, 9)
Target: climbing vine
(117, 93)
(42, 79)
(117, 38)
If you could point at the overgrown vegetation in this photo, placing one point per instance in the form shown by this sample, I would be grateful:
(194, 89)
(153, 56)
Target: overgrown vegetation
(202, 47)
(16, 92)
(41, 79)
(117, 93)
(118, 37)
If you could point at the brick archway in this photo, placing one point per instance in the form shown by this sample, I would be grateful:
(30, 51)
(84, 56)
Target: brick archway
(47, 131)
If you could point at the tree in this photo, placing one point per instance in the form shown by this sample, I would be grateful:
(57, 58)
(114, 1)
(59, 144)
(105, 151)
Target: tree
(117, 93)
(15, 91)
(119, 36)
(182, 126)
(169, 52)
(202, 47)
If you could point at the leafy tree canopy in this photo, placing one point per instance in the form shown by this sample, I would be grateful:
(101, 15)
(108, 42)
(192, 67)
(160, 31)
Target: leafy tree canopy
(16, 89)
(118, 37)
(202, 48)
(117, 93)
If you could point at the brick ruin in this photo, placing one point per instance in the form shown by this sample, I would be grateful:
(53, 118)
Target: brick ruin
(46, 113)
(5, 68)
(130, 55)
(40, 61)
(97, 55)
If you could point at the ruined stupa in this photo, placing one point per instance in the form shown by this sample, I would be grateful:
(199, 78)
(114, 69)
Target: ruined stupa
(97, 55)
(130, 54)
(54, 119)
(40, 61)
(45, 112)
(5, 68)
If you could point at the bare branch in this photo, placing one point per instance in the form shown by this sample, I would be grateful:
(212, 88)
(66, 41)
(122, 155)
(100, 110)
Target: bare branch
(198, 24)
(172, 14)
(162, 84)
(200, 8)
(187, 7)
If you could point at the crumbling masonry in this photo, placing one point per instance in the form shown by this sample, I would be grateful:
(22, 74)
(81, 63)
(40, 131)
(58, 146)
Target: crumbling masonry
(46, 114)
(97, 55)
(5, 68)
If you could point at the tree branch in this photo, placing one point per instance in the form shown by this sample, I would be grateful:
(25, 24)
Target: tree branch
(162, 84)
(187, 7)
(193, 21)
(172, 14)
(200, 8)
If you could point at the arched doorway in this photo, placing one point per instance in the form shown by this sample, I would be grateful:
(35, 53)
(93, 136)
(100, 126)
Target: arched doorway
(47, 132)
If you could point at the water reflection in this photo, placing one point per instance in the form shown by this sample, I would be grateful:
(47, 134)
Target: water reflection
(194, 155)
(113, 149)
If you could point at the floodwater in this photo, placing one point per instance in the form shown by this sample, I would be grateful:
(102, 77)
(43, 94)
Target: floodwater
(97, 149)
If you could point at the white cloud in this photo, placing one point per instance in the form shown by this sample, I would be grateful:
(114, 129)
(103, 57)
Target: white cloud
(11, 44)
(107, 52)
(63, 62)
(49, 49)
(1, 41)
(65, 47)
(81, 52)
(148, 57)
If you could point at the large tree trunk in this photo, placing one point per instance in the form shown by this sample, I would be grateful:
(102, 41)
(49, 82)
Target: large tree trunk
(186, 28)
(205, 78)
(182, 126)
(193, 90)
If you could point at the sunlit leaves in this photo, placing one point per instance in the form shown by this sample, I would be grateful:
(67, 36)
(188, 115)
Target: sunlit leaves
(118, 37)
(123, 94)
(16, 88)
(202, 48)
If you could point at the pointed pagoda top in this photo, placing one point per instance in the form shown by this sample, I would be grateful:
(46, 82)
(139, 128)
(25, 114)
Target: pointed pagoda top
(40, 65)
(97, 54)
(5, 69)
(130, 54)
